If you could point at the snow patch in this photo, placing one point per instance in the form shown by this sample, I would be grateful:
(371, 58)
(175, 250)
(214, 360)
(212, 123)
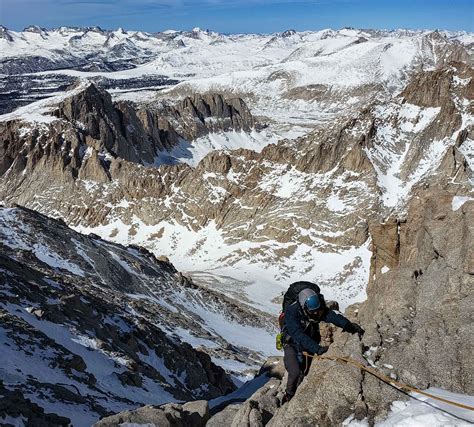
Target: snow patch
(193, 152)
(44, 254)
(458, 201)
(415, 413)
(335, 204)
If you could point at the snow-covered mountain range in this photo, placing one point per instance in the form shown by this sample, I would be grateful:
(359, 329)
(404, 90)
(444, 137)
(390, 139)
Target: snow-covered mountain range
(93, 48)
(284, 63)
(250, 161)
(261, 213)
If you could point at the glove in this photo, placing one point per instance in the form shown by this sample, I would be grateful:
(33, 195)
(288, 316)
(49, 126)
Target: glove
(354, 328)
(321, 350)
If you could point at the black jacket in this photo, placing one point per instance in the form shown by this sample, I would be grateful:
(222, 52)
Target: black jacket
(302, 333)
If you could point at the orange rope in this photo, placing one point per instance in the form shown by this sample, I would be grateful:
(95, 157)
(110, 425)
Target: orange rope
(387, 379)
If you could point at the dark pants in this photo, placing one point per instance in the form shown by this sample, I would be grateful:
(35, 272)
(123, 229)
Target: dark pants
(296, 369)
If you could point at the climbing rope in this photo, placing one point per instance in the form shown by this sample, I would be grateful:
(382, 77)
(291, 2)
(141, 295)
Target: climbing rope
(386, 379)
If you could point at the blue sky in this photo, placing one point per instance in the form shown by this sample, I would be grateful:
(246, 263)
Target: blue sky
(232, 16)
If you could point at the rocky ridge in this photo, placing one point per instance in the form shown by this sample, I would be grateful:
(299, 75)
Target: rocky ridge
(295, 200)
(93, 123)
(90, 328)
(414, 317)
(326, 74)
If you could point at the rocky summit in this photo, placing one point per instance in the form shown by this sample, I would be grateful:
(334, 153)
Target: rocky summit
(159, 192)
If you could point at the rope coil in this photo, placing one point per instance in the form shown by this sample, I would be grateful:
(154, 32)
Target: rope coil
(386, 379)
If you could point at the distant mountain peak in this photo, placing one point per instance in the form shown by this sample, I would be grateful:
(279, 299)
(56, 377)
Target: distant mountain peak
(288, 33)
(5, 33)
(34, 29)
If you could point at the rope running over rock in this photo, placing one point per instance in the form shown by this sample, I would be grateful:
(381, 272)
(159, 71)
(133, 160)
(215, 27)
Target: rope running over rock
(386, 379)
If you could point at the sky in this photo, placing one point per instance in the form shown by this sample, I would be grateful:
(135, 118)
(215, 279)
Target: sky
(239, 16)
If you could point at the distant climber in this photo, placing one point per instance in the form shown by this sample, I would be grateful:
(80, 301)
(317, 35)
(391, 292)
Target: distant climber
(303, 308)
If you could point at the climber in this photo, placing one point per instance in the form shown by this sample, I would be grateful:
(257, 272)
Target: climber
(300, 331)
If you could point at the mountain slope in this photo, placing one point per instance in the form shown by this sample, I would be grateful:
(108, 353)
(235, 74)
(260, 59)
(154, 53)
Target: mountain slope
(90, 328)
(416, 319)
(417, 326)
(298, 209)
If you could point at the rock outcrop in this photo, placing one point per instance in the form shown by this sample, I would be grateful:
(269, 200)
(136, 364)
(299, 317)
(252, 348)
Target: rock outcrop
(416, 319)
(90, 122)
(196, 116)
(169, 415)
(233, 410)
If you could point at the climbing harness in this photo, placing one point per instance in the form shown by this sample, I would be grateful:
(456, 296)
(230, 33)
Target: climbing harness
(385, 378)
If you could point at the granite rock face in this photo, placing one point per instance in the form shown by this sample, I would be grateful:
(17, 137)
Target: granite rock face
(416, 319)
(203, 113)
(260, 408)
(88, 122)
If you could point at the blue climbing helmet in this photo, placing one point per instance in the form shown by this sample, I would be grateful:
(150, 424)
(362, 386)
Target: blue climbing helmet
(309, 300)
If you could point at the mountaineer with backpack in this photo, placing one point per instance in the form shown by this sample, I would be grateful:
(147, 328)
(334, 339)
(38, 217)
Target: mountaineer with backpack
(303, 308)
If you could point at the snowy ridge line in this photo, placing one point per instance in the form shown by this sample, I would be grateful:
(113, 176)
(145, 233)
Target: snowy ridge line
(38, 111)
(114, 341)
(278, 65)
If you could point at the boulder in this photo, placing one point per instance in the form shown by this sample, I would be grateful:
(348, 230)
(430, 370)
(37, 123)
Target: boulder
(147, 415)
(169, 415)
(273, 367)
(224, 417)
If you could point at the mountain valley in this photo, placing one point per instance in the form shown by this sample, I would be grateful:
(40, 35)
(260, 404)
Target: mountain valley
(160, 191)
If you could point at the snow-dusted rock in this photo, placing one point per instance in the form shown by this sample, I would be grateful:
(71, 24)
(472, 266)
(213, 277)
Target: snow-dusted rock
(416, 321)
(92, 328)
(296, 209)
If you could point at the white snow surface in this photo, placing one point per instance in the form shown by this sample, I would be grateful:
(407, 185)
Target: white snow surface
(210, 315)
(423, 412)
(38, 111)
(203, 251)
(215, 325)
(242, 393)
(400, 122)
(265, 67)
(458, 201)
(193, 152)
(172, 47)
